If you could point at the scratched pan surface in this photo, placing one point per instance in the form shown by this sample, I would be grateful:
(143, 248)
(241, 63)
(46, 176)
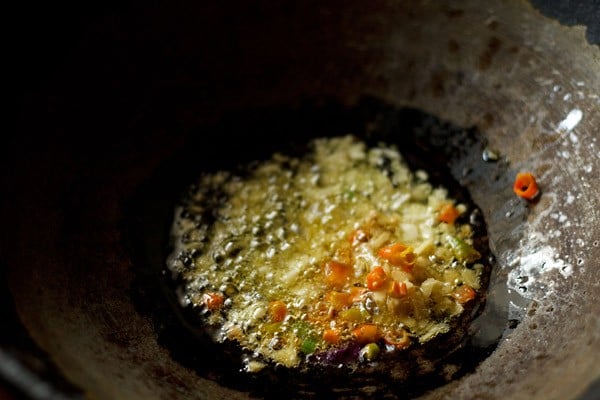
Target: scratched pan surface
(138, 89)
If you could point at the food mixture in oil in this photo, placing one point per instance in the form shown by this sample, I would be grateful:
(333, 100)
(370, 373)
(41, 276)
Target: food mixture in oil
(345, 247)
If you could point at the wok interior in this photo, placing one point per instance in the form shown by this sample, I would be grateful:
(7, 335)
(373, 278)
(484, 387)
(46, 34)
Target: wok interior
(140, 87)
(428, 144)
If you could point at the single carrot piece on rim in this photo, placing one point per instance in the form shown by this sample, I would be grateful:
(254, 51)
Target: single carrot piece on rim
(525, 186)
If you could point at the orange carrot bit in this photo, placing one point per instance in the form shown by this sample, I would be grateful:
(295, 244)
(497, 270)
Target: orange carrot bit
(337, 274)
(463, 294)
(397, 289)
(338, 300)
(376, 278)
(356, 294)
(366, 333)
(398, 255)
(398, 338)
(358, 236)
(213, 301)
(277, 310)
(331, 336)
(448, 214)
(525, 186)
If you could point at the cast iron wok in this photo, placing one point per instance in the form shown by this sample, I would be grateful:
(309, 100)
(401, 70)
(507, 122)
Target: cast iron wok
(140, 84)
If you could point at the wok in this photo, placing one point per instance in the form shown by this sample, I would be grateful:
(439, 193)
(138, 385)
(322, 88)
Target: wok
(138, 100)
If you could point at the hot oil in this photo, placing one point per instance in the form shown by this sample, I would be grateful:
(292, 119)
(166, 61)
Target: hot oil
(452, 157)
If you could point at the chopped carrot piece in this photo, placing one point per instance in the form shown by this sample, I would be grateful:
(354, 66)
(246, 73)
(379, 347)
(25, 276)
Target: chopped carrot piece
(338, 300)
(356, 293)
(358, 236)
(337, 274)
(397, 289)
(448, 214)
(525, 186)
(398, 255)
(464, 294)
(366, 333)
(331, 336)
(213, 301)
(277, 310)
(376, 278)
(397, 338)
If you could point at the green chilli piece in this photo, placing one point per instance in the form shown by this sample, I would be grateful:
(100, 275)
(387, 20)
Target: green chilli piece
(463, 251)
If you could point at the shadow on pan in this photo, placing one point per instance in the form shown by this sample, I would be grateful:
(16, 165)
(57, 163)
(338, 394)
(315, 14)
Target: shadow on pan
(425, 142)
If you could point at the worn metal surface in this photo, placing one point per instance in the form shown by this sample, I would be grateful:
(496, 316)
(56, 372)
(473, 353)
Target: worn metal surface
(139, 83)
